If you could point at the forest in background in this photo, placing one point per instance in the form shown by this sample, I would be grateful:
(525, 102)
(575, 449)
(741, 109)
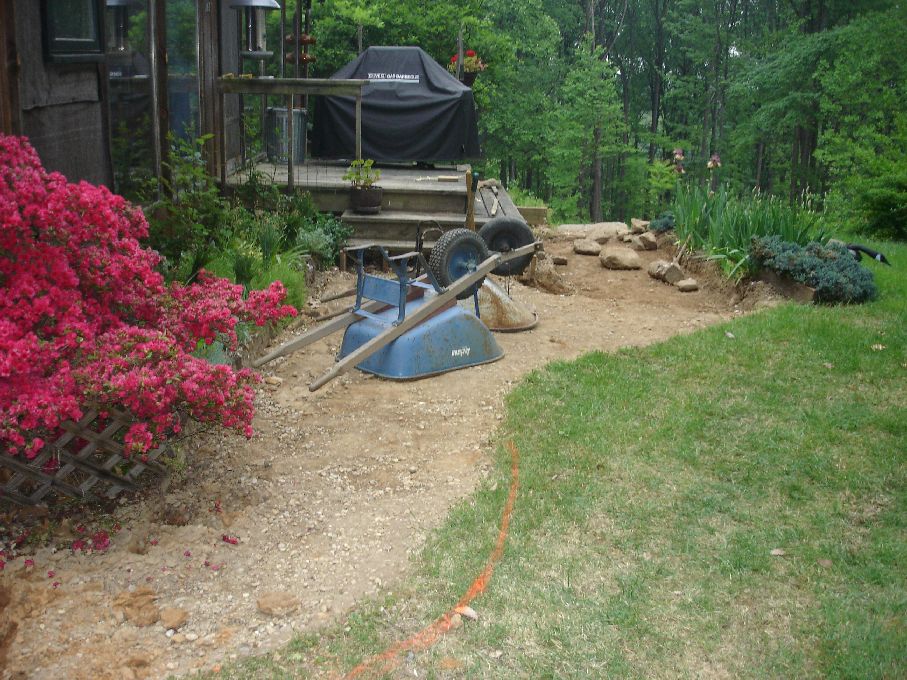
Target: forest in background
(583, 103)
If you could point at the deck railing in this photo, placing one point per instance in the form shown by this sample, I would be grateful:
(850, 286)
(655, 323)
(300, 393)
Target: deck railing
(290, 88)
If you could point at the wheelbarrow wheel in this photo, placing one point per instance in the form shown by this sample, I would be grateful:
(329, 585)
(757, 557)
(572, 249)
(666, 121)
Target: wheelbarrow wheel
(457, 253)
(503, 234)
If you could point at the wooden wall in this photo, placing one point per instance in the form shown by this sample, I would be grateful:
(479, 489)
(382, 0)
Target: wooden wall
(62, 106)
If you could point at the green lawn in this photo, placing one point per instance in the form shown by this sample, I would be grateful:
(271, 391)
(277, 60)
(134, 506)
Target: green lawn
(655, 485)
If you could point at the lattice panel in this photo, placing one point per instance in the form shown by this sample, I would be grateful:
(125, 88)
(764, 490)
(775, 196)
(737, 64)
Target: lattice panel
(86, 461)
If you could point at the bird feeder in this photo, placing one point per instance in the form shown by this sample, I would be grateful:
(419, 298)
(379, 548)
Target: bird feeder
(254, 25)
(118, 23)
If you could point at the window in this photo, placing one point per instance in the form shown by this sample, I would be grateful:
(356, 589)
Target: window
(72, 30)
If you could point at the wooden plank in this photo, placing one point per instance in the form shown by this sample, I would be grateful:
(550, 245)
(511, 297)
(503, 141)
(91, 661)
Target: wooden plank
(315, 334)
(10, 122)
(15, 497)
(60, 443)
(388, 244)
(291, 86)
(27, 470)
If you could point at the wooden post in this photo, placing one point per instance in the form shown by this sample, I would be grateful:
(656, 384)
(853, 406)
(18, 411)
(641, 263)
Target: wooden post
(460, 55)
(359, 124)
(290, 143)
(470, 201)
(10, 114)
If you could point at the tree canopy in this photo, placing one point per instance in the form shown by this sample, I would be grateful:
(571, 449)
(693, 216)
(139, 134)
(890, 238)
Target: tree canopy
(583, 103)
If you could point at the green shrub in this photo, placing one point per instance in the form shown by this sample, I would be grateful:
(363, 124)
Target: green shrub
(191, 217)
(524, 197)
(723, 226)
(664, 222)
(323, 237)
(292, 278)
(830, 268)
(883, 201)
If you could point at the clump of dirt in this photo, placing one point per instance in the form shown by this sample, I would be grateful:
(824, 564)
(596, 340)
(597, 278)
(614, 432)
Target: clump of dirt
(323, 506)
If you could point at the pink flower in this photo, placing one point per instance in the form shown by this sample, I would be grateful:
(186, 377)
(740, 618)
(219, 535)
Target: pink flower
(29, 564)
(187, 554)
(232, 540)
(51, 573)
(86, 319)
(100, 541)
(78, 545)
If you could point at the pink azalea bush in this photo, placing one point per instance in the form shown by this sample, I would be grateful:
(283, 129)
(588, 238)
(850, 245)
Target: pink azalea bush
(86, 321)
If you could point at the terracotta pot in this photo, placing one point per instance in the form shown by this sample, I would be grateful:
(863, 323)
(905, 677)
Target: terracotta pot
(366, 200)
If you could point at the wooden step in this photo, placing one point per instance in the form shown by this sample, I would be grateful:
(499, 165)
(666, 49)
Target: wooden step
(396, 225)
(337, 199)
(407, 188)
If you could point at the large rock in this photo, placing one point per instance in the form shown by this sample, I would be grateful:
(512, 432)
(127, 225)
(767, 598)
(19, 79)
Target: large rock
(585, 246)
(594, 231)
(663, 270)
(277, 603)
(687, 285)
(648, 240)
(542, 274)
(620, 258)
(638, 226)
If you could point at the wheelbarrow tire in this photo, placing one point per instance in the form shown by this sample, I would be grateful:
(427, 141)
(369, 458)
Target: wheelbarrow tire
(503, 234)
(457, 253)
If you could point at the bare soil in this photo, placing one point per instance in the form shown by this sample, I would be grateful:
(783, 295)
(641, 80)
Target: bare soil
(328, 501)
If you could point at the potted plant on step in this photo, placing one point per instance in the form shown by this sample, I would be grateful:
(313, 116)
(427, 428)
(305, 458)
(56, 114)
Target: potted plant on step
(365, 196)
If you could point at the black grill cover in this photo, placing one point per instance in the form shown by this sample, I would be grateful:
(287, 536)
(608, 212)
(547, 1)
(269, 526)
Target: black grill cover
(413, 110)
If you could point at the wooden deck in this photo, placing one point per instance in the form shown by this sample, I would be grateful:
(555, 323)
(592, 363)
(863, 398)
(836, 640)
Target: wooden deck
(414, 198)
(405, 188)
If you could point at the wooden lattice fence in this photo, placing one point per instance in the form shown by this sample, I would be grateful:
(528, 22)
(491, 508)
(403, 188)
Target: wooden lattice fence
(85, 462)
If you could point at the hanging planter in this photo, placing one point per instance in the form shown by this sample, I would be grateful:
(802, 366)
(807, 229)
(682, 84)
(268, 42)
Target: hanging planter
(472, 66)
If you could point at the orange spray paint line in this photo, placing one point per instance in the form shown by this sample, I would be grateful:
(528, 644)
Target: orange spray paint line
(389, 659)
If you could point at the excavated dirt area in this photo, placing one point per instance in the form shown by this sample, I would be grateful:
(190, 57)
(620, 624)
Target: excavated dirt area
(326, 503)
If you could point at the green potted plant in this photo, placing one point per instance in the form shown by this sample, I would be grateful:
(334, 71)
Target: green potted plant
(365, 195)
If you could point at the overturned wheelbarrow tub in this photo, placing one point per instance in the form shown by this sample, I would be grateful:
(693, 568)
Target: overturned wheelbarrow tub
(410, 327)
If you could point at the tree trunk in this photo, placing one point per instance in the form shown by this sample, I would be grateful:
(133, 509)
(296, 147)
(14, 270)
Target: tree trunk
(595, 201)
(760, 153)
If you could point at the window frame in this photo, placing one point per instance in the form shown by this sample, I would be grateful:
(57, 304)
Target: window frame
(68, 49)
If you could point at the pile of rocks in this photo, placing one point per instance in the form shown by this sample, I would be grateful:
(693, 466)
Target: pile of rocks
(671, 273)
(616, 245)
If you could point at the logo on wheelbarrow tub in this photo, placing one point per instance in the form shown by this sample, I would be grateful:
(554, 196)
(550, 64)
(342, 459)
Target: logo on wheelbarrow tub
(460, 352)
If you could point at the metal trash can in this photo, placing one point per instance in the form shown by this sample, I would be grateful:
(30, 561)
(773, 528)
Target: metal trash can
(276, 145)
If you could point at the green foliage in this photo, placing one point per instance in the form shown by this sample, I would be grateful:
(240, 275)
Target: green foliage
(361, 174)
(664, 222)
(661, 182)
(323, 237)
(864, 132)
(189, 218)
(723, 226)
(525, 198)
(589, 103)
(289, 274)
(830, 269)
(884, 204)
